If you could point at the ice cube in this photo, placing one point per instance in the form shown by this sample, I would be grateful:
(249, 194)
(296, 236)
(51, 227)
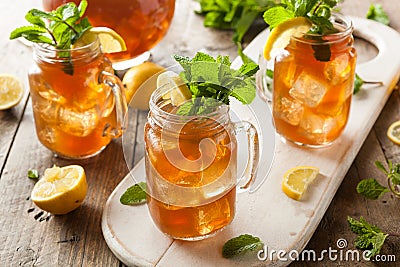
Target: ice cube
(47, 135)
(338, 70)
(289, 110)
(317, 127)
(209, 217)
(308, 90)
(77, 123)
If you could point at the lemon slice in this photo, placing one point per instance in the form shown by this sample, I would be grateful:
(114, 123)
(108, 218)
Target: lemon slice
(297, 179)
(394, 132)
(279, 37)
(60, 190)
(140, 81)
(11, 91)
(175, 88)
(110, 40)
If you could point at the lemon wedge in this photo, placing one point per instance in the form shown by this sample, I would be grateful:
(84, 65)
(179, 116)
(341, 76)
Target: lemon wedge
(174, 87)
(110, 40)
(297, 179)
(279, 37)
(11, 91)
(393, 132)
(61, 189)
(140, 81)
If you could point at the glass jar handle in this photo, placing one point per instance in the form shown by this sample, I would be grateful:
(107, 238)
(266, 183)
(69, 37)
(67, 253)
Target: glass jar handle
(253, 153)
(395, 188)
(121, 107)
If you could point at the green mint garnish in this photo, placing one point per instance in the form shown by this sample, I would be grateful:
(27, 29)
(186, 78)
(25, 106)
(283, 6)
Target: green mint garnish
(60, 28)
(237, 15)
(33, 174)
(377, 13)
(134, 195)
(241, 245)
(371, 188)
(359, 82)
(318, 12)
(212, 81)
(369, 236)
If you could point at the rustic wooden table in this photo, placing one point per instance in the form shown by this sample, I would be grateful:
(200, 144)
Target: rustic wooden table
(30, 237)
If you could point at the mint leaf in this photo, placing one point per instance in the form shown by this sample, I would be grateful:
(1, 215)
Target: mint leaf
(241, 245)
(33, 174)
(134, 195)
(237, 15)
(370, 188)
(358, 82)
(369, 236)
(377, 13)
(212, 78)
(276, 15)
(60, 28)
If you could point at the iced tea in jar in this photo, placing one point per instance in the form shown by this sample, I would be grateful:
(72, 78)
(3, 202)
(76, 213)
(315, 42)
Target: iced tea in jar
(313, 85)
(141, 23)
(78, 105)
(191, 169)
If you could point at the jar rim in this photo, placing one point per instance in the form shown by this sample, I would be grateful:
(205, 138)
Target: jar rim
(50, 48)
(157, 102)
(337, 19)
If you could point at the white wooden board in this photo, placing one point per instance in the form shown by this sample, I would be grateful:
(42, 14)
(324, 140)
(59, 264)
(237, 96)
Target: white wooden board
(282, 223)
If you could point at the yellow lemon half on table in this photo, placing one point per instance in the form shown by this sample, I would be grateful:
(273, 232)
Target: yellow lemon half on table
(140, 81)
(61, 189)
(297, 179)
(175, 88)
(110, 40)
(279, 37)
(393, 132)
(11, 91)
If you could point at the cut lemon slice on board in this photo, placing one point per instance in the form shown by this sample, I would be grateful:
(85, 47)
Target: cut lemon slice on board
(175, 88)
(279, 37)
(61, 189)
(110, 40)
(297, 179)
(394, 132)
(11, 91)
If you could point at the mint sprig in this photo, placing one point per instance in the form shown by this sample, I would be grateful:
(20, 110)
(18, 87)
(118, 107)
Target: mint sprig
(241, 245)
(371, 189)
(377, 13)
(368, 236)
(211, 81)
(60, 28)
(317, 11)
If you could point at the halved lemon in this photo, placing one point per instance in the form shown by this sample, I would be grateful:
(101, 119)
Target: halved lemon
(61, 189)
(140, 81)
(175, 88)
(11, 91)
(393, 132)
(297, 179)
(279, 37)
(110, 40)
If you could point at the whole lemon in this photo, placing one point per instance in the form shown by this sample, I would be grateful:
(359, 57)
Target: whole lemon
(140, 81)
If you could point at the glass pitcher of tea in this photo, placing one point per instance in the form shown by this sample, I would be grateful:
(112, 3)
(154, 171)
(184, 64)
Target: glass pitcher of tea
(141, 23)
